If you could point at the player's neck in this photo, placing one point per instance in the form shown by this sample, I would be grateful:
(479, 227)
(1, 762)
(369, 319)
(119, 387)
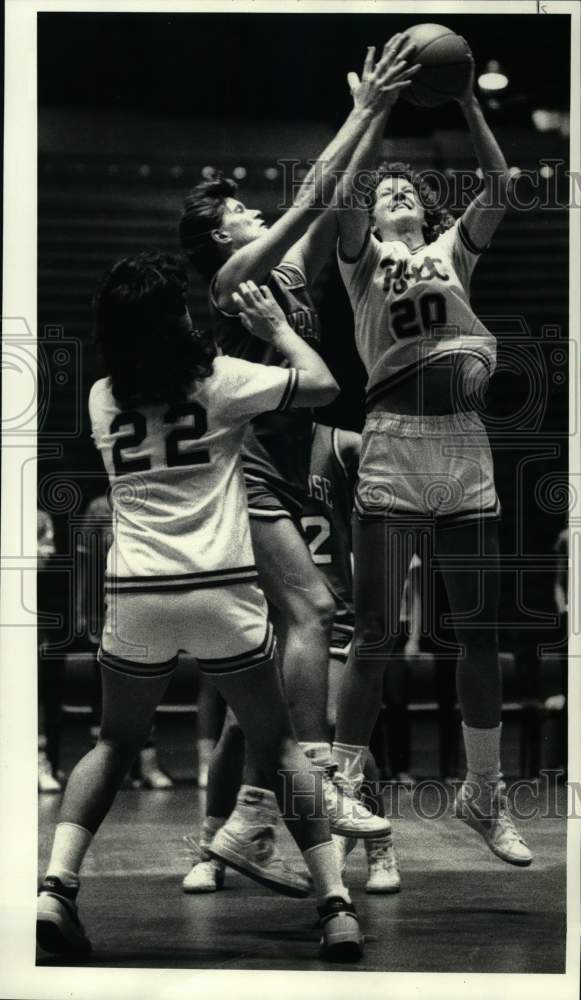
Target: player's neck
(411, 235)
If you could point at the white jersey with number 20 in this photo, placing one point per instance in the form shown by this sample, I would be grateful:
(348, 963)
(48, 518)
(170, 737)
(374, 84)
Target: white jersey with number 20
(412, 306)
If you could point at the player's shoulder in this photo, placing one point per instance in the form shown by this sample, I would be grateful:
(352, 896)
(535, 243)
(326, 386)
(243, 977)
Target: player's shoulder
(447, 236)
(100, 396)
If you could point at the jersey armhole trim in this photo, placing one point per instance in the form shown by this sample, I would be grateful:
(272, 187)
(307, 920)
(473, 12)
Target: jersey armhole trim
(288, 265)
(353, 260)
(467, 241)
(214, 301)
(290, 391)
(337, 452)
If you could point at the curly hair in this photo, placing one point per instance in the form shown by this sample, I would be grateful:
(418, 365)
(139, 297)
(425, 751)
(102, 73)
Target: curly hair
(148, 348)
(436, 218)
(202, 214)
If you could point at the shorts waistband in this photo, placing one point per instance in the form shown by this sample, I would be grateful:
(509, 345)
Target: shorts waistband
(424, 425)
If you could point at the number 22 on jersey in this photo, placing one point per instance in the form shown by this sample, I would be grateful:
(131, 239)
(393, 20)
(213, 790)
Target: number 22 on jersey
(134, 425)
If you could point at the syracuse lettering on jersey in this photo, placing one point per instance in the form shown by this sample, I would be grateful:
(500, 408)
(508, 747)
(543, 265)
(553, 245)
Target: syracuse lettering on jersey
(304, 323)
(320, 489)
(400, 274)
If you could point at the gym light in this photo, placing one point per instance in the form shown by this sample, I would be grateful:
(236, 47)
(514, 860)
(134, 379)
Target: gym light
(493, 79)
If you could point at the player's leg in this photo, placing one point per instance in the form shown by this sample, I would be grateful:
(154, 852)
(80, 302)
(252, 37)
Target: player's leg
(382, 552)
(383, 877)
(468, 555)
(257, 699)
(305, 608)
(397, 714)
(211, 715)
(224, 780)
(383, 872)
(129, 703)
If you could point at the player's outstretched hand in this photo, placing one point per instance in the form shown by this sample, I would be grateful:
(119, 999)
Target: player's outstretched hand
(260, 313)
(381, 82)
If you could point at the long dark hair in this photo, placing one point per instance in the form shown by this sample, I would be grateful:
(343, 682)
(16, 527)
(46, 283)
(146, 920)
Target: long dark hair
(437, 219)
(142, 329)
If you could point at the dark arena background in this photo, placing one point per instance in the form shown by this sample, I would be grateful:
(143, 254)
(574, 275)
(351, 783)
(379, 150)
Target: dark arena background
(133, 108)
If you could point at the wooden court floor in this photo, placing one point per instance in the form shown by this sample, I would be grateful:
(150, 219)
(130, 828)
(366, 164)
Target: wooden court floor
(460, 908)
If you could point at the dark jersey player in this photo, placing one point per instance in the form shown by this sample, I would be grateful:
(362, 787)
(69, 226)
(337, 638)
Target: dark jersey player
(326, 523)
(229, 243)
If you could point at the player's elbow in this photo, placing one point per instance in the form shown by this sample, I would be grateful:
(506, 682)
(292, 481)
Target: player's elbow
(329, 391)
(316, 390)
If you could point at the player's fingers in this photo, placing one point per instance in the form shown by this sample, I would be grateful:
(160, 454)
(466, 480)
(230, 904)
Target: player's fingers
(391, 72)
(352, 81)
(407, 51)
(245, 321)
(265, 294)
(254, 292)
(369, 61)
(390, 50)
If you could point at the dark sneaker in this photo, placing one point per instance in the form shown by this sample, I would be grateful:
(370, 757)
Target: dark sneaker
(58, 928)
(341, 940)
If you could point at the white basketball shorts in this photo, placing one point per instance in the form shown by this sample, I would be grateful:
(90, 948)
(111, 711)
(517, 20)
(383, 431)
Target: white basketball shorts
(225, 628)
(426, 467)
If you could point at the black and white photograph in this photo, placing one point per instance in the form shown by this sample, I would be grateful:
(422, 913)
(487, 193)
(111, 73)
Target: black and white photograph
(291, 499)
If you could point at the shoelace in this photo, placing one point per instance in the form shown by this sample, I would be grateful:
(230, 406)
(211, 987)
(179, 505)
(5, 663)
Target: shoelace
(383, 852)
(505, 820)
(339, 780)
(195, 850)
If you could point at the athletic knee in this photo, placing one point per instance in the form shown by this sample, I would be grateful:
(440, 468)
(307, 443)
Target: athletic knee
(121, 746)
(313, 609)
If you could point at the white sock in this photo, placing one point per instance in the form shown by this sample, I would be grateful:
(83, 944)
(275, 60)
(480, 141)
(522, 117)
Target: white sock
(71, 843)
(323, 864)
(482, 753)
(205, 748)
(350, 760)
(319, 753)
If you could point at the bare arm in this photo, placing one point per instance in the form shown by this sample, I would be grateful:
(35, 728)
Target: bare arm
(256, 260)
(352, 210)
(262, 316)
(484, 214)
(313, 249)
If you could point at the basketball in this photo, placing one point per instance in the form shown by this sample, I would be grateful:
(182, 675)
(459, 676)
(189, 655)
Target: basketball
(445, 60)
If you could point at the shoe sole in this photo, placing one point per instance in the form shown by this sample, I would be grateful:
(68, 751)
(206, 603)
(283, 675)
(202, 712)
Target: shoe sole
(204, 890)
(342, 948)
(357, 834)
(474, 823)
(391, 891)
(231, 859)
(53, 940)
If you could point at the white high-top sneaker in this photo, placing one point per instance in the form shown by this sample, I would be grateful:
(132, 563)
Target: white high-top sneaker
(383, 871)
(206, 874)
(484, 807)
(247, 843)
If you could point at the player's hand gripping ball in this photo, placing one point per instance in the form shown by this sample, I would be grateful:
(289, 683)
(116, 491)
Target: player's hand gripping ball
(446, 62)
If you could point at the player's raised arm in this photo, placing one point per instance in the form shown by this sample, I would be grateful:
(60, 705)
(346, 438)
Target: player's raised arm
(263, 317)
(486, 211)
(255, 260)
(352, 212)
